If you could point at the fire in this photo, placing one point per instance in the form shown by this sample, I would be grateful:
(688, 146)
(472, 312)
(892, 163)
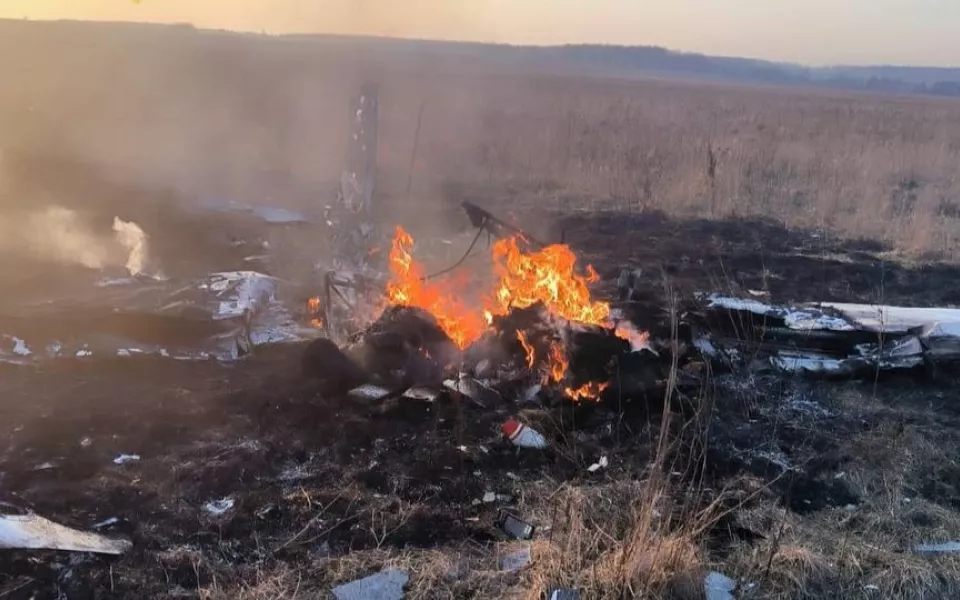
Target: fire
(548, 276)
(638, 339)
(590, 391)
(313, 308)
(527, 348)
(408, 288)
(557, 363)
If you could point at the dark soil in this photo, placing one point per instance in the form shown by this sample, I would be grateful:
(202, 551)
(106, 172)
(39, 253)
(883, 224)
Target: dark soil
(312, 474)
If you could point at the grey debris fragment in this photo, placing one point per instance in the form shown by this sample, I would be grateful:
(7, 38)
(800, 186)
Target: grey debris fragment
(107, 523)
(718, 586)
(514, 526)
(563, 594)
(125, 458)
(516, 560)
(938, 548)
(219, 507)
(385, 585)
(33, 532)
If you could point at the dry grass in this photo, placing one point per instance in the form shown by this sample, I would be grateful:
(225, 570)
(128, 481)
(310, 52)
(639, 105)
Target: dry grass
(866, 166)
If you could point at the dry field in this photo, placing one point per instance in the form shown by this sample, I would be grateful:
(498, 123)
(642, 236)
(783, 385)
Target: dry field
(804, 195)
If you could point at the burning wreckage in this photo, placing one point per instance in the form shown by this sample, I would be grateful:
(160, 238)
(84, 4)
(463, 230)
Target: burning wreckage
(532, 330)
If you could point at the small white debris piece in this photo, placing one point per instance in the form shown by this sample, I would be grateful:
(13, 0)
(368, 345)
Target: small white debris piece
(107, 523)
(368, 392)
(86, 442)
(385, 585)
(462, 448)
(219, 507)
(45, 466)
(33, 532)
(489, 497)
(83, 352)
(516, 560)
(423, 394)
(20, 347)
(718, 586)
(937, 548)
(871, 588)
(600, 464)
(125, 458)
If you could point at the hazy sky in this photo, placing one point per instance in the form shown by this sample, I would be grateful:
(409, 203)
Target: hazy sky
(924, 32)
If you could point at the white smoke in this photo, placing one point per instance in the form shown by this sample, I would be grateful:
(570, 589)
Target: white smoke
(60, 235)
(134, 240)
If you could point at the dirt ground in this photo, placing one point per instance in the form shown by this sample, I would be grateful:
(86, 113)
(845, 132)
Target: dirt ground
(813, 489)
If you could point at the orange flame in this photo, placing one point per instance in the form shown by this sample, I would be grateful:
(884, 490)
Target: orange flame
(527, 348)
(638, 339)
(557, 363)
(313, 308)
(548, 276)
(408, 288)
(591, 390)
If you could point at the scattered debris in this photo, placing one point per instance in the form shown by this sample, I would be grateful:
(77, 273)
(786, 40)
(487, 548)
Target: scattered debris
(489, 498)
(516, 560)
(523, 436)
(718, 586)
(473, 389)
(563, 594)
(107, 523)
(514, 526)
(600, 464)
(29, 531)
(938, 548)
(385, 585)
(270, 511)
(831, 338)
(125, 458)
(218, 507)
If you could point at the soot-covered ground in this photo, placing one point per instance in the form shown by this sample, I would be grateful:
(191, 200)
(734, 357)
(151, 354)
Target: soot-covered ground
(311, 481)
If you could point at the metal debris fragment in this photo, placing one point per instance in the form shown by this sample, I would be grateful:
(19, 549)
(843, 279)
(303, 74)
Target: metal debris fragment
(514, 526)
(218, 508)
(516, 560)
(718, 586)
(29, 531)
(385, 585)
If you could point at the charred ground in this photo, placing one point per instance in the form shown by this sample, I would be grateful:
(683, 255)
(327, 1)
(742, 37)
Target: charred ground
(800, 489)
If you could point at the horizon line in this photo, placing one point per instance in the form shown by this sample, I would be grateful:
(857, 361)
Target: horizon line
(572, 44)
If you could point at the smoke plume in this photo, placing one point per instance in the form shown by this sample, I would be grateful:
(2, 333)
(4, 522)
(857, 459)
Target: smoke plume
(60, 235)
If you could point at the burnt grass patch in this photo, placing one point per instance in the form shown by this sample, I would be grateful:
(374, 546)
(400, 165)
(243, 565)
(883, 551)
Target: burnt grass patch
(312, 477)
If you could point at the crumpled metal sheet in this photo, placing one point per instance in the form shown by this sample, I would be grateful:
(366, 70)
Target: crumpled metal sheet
(829, 338)
(221, 316)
